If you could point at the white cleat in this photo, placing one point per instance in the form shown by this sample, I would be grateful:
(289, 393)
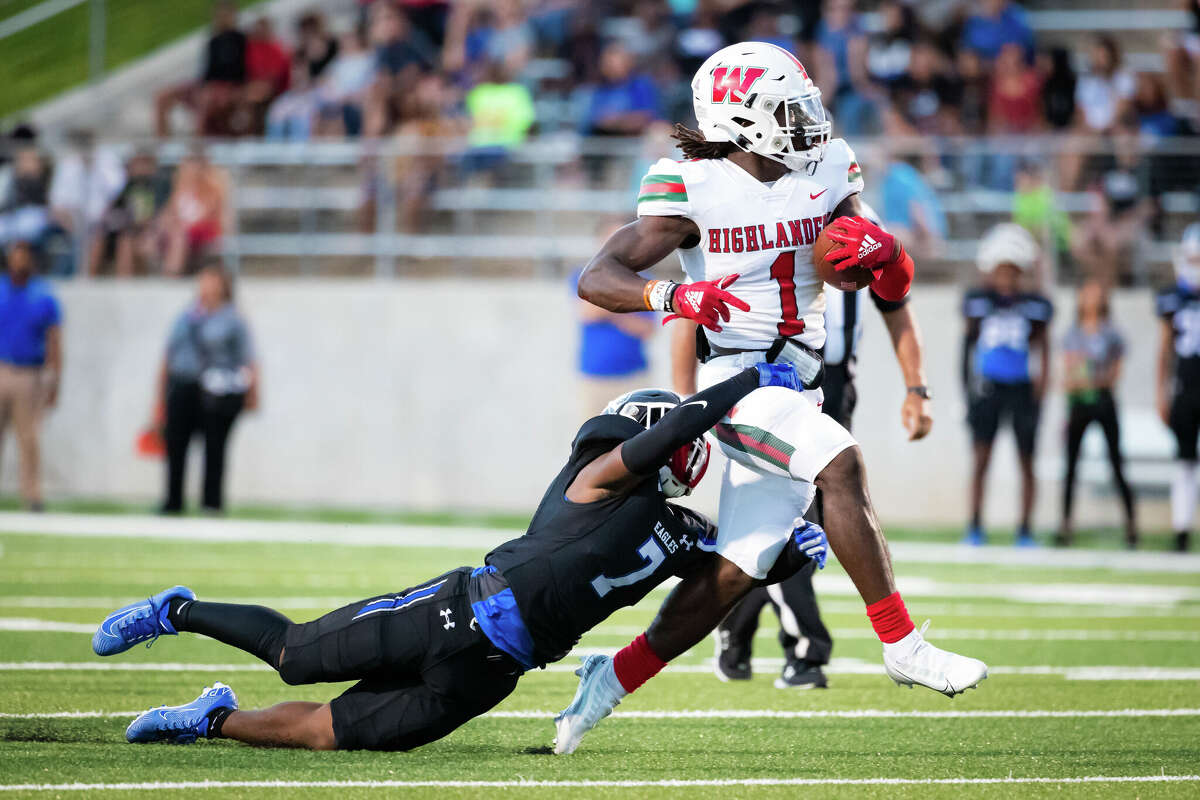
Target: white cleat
(914, 661)
(598, 694)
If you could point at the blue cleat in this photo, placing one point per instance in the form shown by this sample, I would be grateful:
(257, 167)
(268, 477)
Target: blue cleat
(137, 622)
(181, 724)
(975, 536)
(1025, 538)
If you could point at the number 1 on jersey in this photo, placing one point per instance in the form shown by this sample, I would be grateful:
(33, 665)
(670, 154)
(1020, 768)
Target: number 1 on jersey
(783, 271)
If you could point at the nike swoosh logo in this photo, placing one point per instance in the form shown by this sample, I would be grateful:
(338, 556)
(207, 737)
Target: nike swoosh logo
(701, 403)
(812, 196)
(109, 625)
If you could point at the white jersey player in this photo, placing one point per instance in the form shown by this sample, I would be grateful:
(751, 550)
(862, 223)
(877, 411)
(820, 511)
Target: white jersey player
(762, 179)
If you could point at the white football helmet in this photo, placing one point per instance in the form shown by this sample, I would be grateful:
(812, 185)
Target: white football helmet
(1187, 257)
(738, 91)
(1007, 243)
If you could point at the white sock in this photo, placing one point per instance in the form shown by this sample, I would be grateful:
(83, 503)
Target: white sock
(1183, 496)
(611, 682)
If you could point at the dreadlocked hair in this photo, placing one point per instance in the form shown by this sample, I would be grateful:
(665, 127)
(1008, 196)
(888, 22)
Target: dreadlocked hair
(694, 145)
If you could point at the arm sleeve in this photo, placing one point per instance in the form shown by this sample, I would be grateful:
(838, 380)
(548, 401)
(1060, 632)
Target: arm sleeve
(649, 450)
(663, 192)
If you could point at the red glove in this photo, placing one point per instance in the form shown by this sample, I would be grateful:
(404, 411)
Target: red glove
(705, 301)
(864, 244)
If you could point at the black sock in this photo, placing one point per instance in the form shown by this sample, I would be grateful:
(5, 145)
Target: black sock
(216, 719)
(258, 630)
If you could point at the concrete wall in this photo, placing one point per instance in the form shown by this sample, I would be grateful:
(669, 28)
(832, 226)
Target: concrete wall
(448, 394)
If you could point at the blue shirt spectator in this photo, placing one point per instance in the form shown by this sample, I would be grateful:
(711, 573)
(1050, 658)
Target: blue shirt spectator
(27, 312)
(835, 39)
(909, 202)
(998, 23)
(607, 349)
(624, 103)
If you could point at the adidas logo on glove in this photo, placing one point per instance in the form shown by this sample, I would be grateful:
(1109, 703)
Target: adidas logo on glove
(868, 246)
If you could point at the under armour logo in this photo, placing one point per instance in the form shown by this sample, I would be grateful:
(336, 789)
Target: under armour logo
(868, 246)
(686, 542)
(445, 612)
(473, 623)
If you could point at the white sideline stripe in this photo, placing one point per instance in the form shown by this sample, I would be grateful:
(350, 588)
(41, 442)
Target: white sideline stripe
(838, 667)
(579, 784)
(27, 625)
(458, 537)
(753, 713)
(1067, 610)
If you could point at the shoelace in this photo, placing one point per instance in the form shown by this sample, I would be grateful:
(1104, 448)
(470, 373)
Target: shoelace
(135, 629)
(922, 644)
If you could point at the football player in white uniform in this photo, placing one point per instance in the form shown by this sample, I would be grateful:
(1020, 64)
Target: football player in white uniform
(761, 179)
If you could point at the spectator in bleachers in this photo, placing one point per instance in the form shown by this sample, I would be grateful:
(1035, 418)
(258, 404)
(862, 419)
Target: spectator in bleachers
(132, 220)
(966, 101)
(1103, 97)
(214, 95)
(1035, 208)
(30, 360)
(625, 101)
(432, 114)
(1105, 244)
(295, 113)
(25, 206)
(344, 86)
(1015, 104)
(647, 30)
(501, 113)
(196, 214)
(699, 37)
(87, 178)
(1154, 116)
(912, 209)
(1182, 55)
(1058, 88)
(841, 67)
(316, 47)
(921, 97)
(209, 375)
(479, 34)
(402, 55)
(1093, 351)
(1105, 91)
(995, 24)
(890, 48)
(268, 75)
(428, 18)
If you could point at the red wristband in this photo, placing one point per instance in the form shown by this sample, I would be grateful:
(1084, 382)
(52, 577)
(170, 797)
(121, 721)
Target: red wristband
(896, 278)
(889, 618)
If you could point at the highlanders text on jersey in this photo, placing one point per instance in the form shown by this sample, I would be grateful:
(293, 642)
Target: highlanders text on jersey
(762, 232)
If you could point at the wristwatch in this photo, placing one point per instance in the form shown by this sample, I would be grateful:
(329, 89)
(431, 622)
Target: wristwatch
(921, 391)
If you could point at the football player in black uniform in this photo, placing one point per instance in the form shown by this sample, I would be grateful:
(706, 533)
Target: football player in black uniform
(1005, 325)
(1179, 377)
(432, 657)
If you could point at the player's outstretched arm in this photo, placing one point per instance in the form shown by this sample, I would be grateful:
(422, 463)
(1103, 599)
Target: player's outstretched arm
(610, 280)
(627, 464)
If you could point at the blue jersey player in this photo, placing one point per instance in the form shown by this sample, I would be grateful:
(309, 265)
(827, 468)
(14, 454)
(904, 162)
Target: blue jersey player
(1179, 377)
(1006, 329)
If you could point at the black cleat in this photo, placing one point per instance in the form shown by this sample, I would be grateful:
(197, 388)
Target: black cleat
(800, 674)
(1182, 539)
(730, 663)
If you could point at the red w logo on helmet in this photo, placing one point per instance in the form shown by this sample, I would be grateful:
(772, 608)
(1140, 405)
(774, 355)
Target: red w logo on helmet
(734, 83)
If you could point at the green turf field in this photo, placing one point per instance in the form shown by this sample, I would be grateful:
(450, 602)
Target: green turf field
(1095, 675)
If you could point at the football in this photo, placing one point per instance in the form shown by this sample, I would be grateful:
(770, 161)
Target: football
(849, 279)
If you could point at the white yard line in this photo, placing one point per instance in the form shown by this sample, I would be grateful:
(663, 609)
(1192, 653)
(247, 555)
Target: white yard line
(753, 713)
(458, 537)
(838, 667)
(29, 625)
(627, 784)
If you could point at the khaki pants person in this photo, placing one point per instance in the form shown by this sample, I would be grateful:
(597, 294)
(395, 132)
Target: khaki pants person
(21, 404)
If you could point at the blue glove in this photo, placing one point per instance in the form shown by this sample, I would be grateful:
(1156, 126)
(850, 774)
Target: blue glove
(783, 374)
(810, 540)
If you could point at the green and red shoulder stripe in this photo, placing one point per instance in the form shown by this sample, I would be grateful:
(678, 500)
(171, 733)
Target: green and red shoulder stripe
(854, 173)
(663, 187)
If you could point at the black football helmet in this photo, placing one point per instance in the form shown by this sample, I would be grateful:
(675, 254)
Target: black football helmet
(687, 465)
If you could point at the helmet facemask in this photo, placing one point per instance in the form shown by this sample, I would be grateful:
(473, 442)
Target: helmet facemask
(793, 132)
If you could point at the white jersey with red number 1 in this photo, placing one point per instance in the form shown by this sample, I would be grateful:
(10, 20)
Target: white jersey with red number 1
(763, 233)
